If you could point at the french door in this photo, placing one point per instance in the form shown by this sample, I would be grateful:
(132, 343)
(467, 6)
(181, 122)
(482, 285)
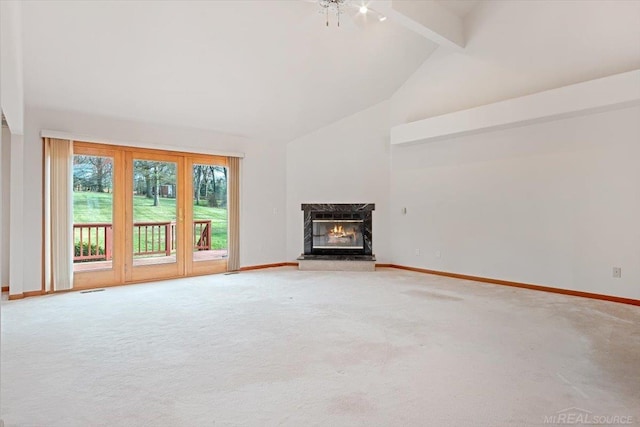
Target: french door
(154, 216)
(142, 215)
(206, 214)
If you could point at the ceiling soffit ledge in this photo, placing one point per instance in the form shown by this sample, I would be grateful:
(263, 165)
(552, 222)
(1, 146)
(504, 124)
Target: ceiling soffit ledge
(607, 93)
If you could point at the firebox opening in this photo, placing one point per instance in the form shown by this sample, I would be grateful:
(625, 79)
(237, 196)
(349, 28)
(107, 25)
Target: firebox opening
(340, 234)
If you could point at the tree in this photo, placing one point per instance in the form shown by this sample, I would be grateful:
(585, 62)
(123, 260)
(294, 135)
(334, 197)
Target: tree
(103, 167)
(198, 175)
(218, 195)
(207, 177)
(143, 169)
(154, 174)
(156, 184)
(101, 170)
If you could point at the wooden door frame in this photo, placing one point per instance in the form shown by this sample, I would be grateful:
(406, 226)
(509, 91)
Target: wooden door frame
(114, 275)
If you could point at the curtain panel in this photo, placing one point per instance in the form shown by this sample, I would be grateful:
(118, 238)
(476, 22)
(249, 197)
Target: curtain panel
(233, 263)
(58, 214)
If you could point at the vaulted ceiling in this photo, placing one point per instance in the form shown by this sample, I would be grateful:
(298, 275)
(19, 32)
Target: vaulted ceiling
(268, 70)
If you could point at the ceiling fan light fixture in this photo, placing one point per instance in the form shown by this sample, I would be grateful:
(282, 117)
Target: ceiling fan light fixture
(335, 6)
(338, 7)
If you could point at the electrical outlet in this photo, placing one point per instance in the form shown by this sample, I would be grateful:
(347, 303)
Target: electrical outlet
(617, 272)
(417, 252)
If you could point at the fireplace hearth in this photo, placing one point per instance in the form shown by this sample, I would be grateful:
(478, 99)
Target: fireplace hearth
(338, 232)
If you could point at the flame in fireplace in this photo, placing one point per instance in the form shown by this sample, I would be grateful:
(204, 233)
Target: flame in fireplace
(339, 232)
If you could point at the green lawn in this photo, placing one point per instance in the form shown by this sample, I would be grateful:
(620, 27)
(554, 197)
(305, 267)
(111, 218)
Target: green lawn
(89, 207)
(97, 207)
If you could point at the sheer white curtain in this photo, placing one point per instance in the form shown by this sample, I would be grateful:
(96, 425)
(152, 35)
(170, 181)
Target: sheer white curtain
(233, 263)
(58, 214)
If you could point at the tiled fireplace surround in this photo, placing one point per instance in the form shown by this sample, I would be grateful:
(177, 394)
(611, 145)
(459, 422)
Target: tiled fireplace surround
(356, 218)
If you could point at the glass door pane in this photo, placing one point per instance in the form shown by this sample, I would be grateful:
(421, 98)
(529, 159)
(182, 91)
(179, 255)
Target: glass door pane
(209, 212)
(92, 213)
(155, 212)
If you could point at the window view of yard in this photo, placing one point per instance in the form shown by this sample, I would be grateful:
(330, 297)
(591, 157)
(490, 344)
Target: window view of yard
(154, 211)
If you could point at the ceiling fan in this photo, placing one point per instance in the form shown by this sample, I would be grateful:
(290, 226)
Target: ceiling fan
(338, 7)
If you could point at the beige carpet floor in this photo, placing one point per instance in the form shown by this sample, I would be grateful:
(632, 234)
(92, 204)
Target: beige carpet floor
(281, 347)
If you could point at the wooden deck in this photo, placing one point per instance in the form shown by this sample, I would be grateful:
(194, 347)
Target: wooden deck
(150, 260)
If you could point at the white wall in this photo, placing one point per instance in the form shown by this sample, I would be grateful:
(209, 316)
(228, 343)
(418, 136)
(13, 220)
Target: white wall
(19, 260)
(554, 204)
(262, 175)
(3, 236)
(345, 162)
(262, 226)
(5, 202)
(4, 239)
(11, 76)
(12, 105)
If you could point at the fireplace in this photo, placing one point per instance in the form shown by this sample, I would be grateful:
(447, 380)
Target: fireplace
(332, 231)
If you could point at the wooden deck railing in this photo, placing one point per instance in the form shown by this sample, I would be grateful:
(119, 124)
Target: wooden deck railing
(202, 232)
(93, 241)
(88, 242)
(154, 238)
